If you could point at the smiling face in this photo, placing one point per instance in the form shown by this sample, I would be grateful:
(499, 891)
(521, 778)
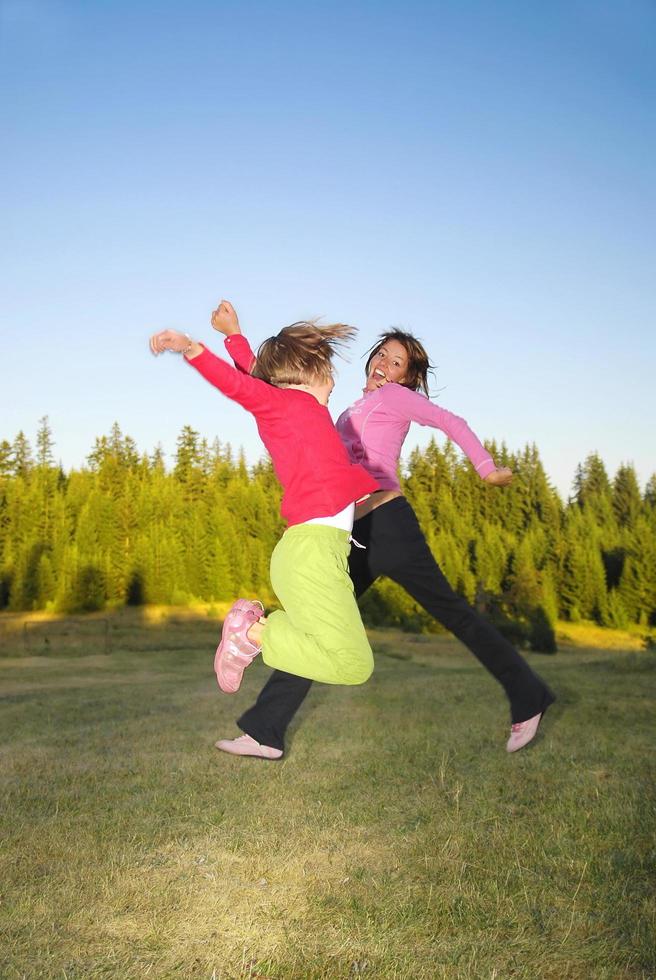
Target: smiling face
(388, 363)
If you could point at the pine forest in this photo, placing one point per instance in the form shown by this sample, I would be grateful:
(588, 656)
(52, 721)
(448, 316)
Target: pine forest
(126, 529)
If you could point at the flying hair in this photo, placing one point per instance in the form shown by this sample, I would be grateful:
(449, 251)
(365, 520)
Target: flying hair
(302, 353)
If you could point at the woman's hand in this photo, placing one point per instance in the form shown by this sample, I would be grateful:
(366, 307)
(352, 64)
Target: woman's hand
(224, 319)
(499, 478)
(174, 341)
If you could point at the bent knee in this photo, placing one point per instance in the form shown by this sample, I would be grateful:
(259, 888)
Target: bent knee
(363, 672)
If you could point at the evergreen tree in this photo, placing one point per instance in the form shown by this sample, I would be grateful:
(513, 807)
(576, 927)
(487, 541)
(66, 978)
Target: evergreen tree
(626, 496)
(157, 458)
(591, 480)
(573, 582)
(650, 492)
(44, 444)
(637, 588)
(122, 448)
(99, 454)
(525, 587)
(541, 635)
(25, 583)
(22, 455)
(593, 490)
(616, 614)
(490, 558)
(187, 457)
(46, 584)
(88, 591)
(6, 458)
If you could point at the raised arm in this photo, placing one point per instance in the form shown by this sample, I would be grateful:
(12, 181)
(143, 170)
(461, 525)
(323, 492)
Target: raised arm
(225, 320)
(414, 407)
(252, 394)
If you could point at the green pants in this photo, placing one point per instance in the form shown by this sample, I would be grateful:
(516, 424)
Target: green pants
(318, 634)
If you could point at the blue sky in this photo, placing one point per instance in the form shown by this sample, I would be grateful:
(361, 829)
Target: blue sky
(480, 173)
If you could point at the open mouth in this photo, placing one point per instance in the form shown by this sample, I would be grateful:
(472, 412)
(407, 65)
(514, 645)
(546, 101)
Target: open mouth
(379, 374)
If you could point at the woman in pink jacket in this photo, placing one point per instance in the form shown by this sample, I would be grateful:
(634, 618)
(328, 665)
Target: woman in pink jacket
(373, 430)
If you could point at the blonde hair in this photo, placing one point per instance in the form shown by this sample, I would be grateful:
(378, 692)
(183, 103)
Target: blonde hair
(302, 353)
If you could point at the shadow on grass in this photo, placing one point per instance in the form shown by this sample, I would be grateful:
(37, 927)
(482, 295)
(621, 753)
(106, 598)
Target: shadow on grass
(134, 629)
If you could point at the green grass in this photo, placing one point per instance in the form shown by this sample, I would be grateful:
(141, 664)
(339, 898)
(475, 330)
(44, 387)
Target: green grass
(397, 839)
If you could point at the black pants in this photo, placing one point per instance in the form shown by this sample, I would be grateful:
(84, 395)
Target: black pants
(396, 547)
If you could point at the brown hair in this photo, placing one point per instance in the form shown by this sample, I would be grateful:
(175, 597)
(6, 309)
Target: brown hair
(302, 353)
(416, 376)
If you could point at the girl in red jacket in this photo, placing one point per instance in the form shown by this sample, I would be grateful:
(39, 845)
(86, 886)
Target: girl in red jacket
(318, 634)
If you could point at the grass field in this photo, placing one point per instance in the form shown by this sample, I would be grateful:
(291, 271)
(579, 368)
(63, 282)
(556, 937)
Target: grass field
(396, 839)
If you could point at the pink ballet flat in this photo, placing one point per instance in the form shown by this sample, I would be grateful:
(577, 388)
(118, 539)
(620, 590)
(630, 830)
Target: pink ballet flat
(235, 652)
(245, 745)
(522, 733)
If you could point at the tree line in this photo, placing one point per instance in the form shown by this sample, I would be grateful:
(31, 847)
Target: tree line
(126, 529)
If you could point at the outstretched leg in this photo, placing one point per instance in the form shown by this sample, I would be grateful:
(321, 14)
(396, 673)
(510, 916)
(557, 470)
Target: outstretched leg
(398, 549)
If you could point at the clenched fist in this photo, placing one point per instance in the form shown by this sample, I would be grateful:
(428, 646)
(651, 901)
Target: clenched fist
(500, 478)
(225, 320)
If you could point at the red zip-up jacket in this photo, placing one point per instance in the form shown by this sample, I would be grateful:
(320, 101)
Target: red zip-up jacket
(308, 456)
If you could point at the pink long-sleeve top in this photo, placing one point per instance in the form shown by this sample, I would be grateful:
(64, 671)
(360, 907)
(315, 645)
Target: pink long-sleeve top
(374, 428)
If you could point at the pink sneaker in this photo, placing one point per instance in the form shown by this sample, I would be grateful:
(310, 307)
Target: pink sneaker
(235, 651)
(245, 745)
(522, 733)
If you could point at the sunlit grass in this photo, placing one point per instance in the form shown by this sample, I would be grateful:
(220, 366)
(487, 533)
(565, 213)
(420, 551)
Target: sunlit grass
(126, 620)
(396, 839)
(590, 635)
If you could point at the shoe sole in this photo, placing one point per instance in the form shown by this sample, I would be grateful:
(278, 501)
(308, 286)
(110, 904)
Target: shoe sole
(230, 686)
(243, 755)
